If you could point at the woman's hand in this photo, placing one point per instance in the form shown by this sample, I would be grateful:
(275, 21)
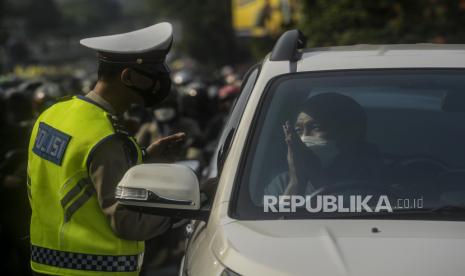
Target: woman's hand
(296, 151)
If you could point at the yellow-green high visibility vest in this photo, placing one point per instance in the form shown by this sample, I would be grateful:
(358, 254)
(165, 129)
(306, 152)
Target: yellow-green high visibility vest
(69, 233)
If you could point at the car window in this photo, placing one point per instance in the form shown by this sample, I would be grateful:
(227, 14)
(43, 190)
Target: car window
(233, 121)
(395, 135)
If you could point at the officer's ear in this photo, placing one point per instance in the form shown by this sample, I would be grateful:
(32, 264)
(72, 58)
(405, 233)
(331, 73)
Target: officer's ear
(126, 76)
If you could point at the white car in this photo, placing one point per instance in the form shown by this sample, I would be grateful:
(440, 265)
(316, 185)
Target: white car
(335, 161)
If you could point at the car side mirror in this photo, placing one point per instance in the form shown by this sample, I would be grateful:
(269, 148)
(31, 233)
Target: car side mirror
(193, 164)
(162, 189)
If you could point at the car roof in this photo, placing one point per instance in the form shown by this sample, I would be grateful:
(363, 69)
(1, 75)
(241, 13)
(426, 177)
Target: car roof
(365, 56)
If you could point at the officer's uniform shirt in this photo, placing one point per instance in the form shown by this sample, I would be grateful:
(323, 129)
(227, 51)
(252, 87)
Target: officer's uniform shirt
(107, 167)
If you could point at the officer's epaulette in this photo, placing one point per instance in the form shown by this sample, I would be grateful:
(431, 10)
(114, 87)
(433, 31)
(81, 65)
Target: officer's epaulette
(64, 98)
(118, 126)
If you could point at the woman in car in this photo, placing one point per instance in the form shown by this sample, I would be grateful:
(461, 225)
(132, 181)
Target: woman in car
(327, 145)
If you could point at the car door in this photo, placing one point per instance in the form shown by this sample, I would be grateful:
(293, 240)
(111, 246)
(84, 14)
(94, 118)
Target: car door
(195, 228)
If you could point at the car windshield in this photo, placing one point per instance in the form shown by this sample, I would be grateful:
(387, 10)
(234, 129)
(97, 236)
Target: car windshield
(356, 142)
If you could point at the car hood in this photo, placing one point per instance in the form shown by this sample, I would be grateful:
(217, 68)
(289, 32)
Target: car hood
(342, 247)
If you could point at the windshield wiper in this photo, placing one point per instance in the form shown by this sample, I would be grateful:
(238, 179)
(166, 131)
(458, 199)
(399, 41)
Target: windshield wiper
(445, 209)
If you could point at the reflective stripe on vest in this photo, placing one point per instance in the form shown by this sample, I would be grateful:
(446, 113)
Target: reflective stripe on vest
(84, 186)
(79, 261)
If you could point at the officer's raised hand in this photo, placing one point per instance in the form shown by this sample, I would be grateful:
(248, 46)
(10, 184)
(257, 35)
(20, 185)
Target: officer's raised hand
(167, 149)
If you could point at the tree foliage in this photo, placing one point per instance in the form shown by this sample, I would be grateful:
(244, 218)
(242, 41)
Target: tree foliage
(37, 17)
(2, 16)
(207, 33)
(345, 22)
(89, 15)
(208, 36)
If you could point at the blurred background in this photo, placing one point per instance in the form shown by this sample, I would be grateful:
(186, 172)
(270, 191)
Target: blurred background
(215, 43)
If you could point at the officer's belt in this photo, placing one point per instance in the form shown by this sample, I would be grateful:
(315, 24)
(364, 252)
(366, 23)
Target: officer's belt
(81, 261)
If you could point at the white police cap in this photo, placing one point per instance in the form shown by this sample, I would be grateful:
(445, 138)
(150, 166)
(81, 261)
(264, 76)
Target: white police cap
(145, 46)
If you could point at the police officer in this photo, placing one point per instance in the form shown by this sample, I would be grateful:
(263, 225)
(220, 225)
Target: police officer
(78, 153)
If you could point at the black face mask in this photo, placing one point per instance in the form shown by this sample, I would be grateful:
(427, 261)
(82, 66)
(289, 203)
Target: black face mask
(158, 91)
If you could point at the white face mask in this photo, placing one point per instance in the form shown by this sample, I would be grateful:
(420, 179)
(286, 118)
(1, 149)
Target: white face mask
(325, 150)
(164, 114)
(310, 141)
